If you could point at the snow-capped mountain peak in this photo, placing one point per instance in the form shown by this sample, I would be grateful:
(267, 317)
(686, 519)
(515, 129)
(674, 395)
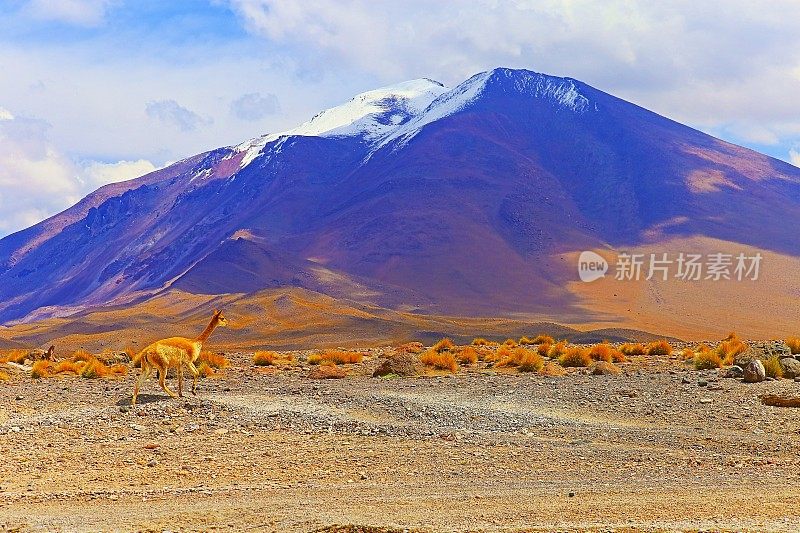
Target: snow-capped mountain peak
(372, 114)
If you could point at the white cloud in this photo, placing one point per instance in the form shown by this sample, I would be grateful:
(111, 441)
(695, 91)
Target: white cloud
(37, 181)
(254, 106)
(95, 173)
(76, 12)
(171, 112)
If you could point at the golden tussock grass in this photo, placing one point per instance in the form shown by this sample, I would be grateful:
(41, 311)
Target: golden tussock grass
(336, 357)
(575, 356)
(543, 349)
(661, 347)
(772, 367)
(543, 339)
(633, 348)
(443, 345)
(525, 340)
(439, 360)
(557, 350)
(794, 345)
(4, 376)
(729, 348)
(41, 369)
(214, 360)
(511, 343)
(82, 364)
(501, 353)
(525, 360)
(480, 341)
(601, 352)
(687, 353)
(707, 360)
(13, 356)
(264, 358)
(468, 356)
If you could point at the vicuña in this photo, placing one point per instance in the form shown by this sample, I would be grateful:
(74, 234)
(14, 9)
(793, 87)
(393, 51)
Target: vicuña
(174, 352)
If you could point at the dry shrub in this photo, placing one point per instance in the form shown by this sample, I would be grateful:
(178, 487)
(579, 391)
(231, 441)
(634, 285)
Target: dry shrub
(41, 369)
(633, 348)
(443, 345)
(14, 356)
(687, 353)
(67, 366)
(552, 369)
(707, 360)
(214, 360)
(557, 350)
(772, 367)
(661, 347)
(794, 345)
(468, 356)
(618, 357)
(4, 376)
(543, 339)
(543, 349)
(522, 358)
(501, 353)
(264, 358)
(601, 352)
(410, 347)
(335, 357)
(439, 360)
(730, 348)
(575, 356)
(480, 341)
(511, 343)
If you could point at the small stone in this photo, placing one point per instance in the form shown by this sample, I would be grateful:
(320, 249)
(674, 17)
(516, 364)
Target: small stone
(685, 380)
(702, 383)
(138, 427)
(152, 462)
(754, 372)
(571, 494)
(220, 431)
(705, 400)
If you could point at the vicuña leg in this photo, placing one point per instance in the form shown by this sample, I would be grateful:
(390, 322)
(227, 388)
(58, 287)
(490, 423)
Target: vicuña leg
(195, 374)
(180, 379)
(143, 375)
(162, 381)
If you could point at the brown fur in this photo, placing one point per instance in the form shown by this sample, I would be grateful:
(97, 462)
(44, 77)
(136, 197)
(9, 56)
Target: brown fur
(174, 352)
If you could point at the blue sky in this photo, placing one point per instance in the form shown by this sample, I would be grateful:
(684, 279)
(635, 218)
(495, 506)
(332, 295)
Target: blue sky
(95, 91)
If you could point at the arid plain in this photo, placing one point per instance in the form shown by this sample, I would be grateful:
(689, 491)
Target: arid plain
(647, 443)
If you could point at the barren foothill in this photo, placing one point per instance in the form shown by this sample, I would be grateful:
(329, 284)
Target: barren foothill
(659, 447)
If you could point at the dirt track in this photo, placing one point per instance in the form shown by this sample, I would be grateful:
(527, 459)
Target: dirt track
(477, 451)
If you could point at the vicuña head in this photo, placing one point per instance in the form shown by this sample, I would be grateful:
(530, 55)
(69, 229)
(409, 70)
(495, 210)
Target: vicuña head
(175, 352)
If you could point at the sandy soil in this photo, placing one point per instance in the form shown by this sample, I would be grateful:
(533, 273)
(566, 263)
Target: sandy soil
(660, 447)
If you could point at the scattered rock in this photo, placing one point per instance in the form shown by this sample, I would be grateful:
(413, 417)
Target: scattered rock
(138, 427)
(602, 368)
(733, 372)
(754, 372)
(152, 462)
(402, 364)
(790, 367)
(705, 400)
(702, 383)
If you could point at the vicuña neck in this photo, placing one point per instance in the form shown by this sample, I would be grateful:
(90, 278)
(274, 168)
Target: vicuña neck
(209, 328)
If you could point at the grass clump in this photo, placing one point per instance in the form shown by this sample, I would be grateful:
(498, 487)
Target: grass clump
(543, 339)
(557, 350)
(468, 356)
(511, 343)
(633, 348)
(4, 376)
(772, 367)
(439, 360)
(729, 348)
(444, 345)
(480, 341)
(661, 347)
(523, 359)
(575, 357)
(214, 360)
(707, 360)
(41, 369)
(410, 347)
(269, 358)
(794, 345)
(14, 356)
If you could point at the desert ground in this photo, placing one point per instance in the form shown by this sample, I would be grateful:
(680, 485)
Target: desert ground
(658, 447)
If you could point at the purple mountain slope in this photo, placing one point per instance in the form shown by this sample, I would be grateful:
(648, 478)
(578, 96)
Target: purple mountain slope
(416, 196)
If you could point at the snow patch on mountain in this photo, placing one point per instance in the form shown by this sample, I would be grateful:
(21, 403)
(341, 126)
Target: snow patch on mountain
(372, 114)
